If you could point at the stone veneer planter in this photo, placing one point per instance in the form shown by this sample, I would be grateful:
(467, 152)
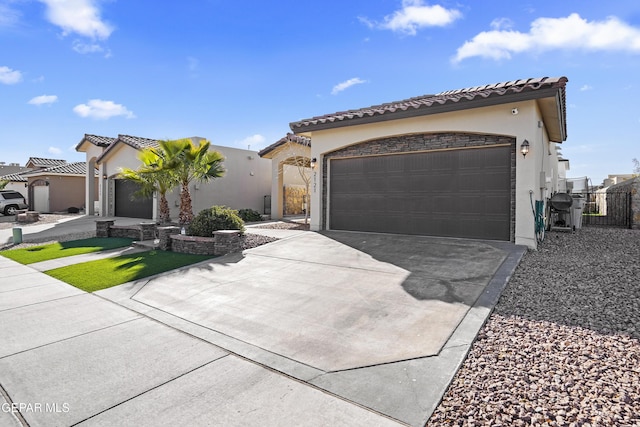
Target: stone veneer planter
(223, 242)
(169, 238)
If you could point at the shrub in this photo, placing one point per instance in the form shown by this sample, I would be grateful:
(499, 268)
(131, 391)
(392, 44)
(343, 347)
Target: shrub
(213, 219)
(249, 215)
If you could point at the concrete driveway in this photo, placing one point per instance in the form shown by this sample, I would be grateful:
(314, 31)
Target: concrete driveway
(335, 301)
(293, 332)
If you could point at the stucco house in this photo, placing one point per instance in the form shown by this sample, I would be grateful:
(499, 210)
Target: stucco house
(18, 181)
(245, 184)
(463, 163)
(58, 188)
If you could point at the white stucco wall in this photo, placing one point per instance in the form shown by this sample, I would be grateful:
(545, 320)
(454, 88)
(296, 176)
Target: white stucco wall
(527, 124)
(19, 187)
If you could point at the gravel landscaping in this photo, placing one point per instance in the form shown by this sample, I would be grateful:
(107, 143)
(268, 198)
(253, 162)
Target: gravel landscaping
(562, 345)
(284, 225)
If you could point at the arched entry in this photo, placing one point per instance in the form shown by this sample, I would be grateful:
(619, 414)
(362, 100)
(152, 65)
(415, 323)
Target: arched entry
(290, 165)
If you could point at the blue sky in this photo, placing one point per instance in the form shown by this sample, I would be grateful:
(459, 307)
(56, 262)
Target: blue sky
(237, 73)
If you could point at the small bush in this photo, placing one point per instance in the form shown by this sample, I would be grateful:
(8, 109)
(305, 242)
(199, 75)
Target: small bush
(249, 215)
(213, 219)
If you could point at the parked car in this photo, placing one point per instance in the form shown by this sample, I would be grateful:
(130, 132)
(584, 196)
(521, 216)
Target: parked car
(11, 201)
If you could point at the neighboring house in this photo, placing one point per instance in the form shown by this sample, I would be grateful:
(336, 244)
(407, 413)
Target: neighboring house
(58, 188)
(245, 184)
(11, 168)
(449, 164)
(17, 182)
(15, 174)
(42, 163)
(617, 179)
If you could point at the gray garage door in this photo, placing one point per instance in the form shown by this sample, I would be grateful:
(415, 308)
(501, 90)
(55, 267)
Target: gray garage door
(457, 193)
(128, 205)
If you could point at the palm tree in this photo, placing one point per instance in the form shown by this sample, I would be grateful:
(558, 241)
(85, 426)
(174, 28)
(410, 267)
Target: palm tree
(153, 177)
(188, 162)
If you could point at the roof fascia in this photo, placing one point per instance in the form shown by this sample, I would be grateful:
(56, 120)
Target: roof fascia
(434, 109)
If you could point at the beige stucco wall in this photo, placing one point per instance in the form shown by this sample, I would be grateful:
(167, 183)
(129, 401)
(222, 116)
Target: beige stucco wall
(246, 181)
(65, 191)
(527, 124)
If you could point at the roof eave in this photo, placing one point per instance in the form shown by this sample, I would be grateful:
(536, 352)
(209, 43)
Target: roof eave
(447, 107)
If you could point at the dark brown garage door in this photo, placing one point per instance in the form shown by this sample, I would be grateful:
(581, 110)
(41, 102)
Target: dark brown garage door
(456, 193)
(127, 204)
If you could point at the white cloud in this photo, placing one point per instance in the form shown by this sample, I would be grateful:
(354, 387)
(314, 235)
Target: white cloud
(346, 84)
(78, 16)
(54, 150)
(256, 140)
(572, 32)
(9, 76)
(585, 88)
(85, 48)
(502, 24)
(43, 99)
(413, 16)
(102, 110)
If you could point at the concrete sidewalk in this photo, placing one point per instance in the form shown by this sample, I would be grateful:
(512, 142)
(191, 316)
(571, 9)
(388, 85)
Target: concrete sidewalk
(315, 329)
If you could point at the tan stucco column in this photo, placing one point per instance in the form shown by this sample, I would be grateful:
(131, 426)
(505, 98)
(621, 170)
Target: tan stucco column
(276, 189)
(90, 188)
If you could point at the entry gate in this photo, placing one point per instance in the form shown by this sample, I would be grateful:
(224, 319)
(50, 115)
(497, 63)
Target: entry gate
(608, 209)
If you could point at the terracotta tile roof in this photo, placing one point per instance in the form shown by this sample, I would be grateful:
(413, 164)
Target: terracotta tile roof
(75, 168)
(453, 100)
(100, 141)
(138, 142)
(41, 162)
(14, 177)
(289, 137)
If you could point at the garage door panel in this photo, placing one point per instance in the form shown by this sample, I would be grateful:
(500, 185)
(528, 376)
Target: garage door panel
(127, 204)
(458, 193)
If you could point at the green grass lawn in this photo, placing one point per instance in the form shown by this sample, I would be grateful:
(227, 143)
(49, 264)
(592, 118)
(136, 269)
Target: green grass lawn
(64, 249)
(101, 274)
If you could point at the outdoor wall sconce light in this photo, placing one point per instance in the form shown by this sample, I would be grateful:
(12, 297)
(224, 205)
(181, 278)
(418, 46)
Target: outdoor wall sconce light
(314, 161)
(104, 176)
(524, 148)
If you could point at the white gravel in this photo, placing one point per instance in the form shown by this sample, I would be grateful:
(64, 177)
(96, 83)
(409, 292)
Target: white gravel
(562, 345)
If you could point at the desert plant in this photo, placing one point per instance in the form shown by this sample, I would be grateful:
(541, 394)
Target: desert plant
(190, 162)
(249, 215)
(153, 177)
(214, 219)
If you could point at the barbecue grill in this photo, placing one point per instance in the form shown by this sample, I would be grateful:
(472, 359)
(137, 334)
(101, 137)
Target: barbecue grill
(560, 207)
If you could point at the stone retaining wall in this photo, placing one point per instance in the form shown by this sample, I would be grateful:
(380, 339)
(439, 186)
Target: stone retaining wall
(223, 242)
